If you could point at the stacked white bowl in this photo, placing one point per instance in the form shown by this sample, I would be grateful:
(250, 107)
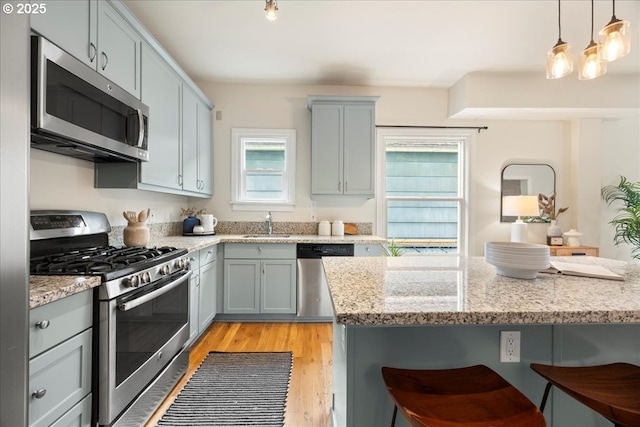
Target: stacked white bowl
(519, 260)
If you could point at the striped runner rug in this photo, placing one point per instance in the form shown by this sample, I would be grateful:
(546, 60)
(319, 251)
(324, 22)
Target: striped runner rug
(234, 389)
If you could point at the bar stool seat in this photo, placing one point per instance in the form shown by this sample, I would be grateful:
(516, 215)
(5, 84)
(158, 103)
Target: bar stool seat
(612, 390)
(474, 396)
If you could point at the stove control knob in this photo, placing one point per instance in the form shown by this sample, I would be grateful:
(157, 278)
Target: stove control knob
(164, 270)
(145, 277)
(180, 264)
(131, 282)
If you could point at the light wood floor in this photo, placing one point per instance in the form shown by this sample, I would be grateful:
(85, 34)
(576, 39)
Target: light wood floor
(309, 397)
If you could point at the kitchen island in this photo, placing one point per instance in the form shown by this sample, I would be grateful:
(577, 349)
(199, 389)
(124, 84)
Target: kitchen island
(448, 311)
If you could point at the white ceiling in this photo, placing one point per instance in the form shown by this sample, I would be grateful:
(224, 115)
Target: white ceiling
(422, 43)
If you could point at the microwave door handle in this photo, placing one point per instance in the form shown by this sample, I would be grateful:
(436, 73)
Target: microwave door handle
(141, 127)
(126, 306)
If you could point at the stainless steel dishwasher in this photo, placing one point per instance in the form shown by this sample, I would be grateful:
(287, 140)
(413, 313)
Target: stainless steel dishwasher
(314, 300)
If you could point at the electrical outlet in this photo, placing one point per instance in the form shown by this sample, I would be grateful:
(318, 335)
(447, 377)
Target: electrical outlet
(313, 216)
(152, 215)
(509, 346)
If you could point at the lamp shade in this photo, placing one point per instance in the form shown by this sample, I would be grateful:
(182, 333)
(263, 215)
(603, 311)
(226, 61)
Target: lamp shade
(559, 60)
(520, 206)
(614, 40)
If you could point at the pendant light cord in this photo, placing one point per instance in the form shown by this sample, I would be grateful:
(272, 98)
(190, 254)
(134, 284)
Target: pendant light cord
(559, 26)
(592, 18)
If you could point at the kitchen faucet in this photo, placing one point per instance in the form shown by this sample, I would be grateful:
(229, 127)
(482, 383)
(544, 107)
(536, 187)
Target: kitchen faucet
(269, 224)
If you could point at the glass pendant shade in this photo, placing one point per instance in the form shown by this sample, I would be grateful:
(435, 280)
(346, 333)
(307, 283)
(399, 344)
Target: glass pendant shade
(271, 10)
(614, 40)
(559, 60)
(590, 66)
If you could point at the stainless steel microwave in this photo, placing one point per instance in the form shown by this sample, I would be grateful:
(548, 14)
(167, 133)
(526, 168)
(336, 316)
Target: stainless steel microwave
(77, 112)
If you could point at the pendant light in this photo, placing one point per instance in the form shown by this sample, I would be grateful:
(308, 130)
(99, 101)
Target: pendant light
(614, 40)
(590, 66)
(271, 9)
(560, 56)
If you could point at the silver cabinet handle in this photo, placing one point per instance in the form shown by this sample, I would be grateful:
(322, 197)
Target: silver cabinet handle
(180, 179)
(92, 52)
(39, 394)
(141, 127)
(43, 324)
(339, 186)
(105, 61)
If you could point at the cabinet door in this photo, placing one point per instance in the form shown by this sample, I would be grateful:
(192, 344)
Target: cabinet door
(78, 416)
(189, 140)
(70, 24)
(161, 92)
(241, 286)
(194, 305)
(359, 149)
(205, 149)
(207, 302)
(118, 49)
(327, 149)
(278, 287)
(62, 376)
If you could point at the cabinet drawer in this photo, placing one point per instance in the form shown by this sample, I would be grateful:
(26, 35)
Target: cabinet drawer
(78, 416)
(194, 259)
(207, 255)
(66, 318)
(367, 250)
(63, 376)
(260, 250)
(574, 251)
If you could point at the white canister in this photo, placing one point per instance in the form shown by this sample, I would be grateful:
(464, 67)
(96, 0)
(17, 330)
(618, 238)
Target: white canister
(337, 228)
(208, 222)
(324, 228)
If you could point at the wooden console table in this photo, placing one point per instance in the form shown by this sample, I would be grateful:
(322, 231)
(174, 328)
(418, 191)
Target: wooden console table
(574, 250)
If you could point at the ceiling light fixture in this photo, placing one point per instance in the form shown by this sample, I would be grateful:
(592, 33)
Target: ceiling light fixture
(271, 9)
(614, 40)
(560, 56)
(590, 65)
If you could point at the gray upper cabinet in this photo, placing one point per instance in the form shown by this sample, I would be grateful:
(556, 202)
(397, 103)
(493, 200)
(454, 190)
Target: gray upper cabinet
(196, 143)
(161, 91)
(118, 49)
(72, 25)
(343, 145)
(95, 33)
(180, 123)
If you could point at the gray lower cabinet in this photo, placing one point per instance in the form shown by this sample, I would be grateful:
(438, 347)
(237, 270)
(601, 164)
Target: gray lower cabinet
(259, 278)
(60, 352)
(203, 291)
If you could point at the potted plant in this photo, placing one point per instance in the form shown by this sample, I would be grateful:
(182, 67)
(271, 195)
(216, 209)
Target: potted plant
(547, 205)
(191, 219)
(626, 224)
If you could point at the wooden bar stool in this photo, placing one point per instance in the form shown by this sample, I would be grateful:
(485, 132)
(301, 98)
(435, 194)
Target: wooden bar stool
(612, 390)
(475, 396)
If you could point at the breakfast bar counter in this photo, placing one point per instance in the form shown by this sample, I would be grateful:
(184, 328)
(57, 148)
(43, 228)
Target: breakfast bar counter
(441, 290)
(438, 312)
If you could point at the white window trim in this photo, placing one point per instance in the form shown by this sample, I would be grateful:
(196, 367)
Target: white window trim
(458, 135)
(237, 178)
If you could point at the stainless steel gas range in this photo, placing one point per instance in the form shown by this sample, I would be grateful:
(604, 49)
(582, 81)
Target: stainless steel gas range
(142, 309)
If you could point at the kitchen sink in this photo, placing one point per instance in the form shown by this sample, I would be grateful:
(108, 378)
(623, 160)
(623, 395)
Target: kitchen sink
(265, 235)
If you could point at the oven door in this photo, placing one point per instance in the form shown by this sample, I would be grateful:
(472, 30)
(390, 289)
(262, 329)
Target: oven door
(139, 334)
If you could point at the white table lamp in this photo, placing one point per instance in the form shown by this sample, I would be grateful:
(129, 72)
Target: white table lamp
(520, 206)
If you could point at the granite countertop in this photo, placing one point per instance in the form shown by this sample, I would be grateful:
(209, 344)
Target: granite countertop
(46, 289)
(442, 290)
(194, 243)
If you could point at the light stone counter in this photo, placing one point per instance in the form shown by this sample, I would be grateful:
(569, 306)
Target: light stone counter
(46, 289)
(450, 290)
(194, 243)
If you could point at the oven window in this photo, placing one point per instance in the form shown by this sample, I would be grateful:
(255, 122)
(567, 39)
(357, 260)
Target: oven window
(143, 330)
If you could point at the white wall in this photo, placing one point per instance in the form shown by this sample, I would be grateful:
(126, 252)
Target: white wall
(59, 182)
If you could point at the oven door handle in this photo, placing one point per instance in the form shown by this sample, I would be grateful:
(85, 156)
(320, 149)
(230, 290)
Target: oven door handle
(126, 306)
